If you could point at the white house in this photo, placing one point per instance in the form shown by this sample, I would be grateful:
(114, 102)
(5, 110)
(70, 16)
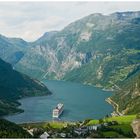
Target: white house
(30, 131)
(63, 135)
(81, 130)
(45, 135)
(94, 127)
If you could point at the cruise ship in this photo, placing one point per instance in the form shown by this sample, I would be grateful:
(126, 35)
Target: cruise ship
(58, 110)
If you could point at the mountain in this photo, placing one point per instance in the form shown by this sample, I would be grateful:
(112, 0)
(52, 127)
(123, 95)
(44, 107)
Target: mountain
(97, 49)
(14, 86)
(42, 40)
(12, 49)
(12, 130)
(39, 62)
(100, 50)
(128, 98)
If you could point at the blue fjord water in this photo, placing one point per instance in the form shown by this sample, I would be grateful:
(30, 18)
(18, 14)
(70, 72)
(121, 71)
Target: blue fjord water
(80, 102)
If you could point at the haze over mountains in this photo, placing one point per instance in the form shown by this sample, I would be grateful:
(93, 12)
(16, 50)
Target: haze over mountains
(97, 50)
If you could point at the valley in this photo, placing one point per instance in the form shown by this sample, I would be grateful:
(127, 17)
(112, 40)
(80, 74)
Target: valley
(96, 50)
(92, 103)
(86, 60)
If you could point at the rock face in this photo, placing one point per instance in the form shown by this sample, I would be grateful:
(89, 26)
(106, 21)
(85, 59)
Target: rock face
(136, 127)
(103, 49)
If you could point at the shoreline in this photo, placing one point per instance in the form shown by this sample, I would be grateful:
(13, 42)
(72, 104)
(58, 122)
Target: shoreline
(48, 121)
(107, 100)
(116, 111)
(19, 105)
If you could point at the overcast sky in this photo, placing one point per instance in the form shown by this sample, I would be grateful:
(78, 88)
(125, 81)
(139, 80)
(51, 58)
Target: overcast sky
(29, 20)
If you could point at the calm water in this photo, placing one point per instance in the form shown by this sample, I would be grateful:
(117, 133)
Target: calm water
(80, 102)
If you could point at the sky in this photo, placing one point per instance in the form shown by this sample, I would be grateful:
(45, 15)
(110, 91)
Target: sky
(30, 20)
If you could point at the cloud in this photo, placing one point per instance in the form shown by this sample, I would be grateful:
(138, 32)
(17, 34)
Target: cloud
(29, 20)
(37, 28)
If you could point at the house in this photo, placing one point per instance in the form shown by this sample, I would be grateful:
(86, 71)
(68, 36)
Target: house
(31, 131)
(94, 127)
(45, 135)
(63, 135)
(80, 131)
(105, 124)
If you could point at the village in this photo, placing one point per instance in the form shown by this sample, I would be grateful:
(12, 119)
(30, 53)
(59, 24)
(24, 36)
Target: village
(59, 129)
(108, 127)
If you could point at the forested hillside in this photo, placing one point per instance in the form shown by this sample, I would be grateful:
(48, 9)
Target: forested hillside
(11, 130)
(14, 85)
(128, 97)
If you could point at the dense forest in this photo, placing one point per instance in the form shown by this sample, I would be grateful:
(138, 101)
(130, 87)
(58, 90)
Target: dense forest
(11, 130)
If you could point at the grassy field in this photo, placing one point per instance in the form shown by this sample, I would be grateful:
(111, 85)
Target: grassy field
(121, 130)
(112, 134)
(52, 124)
(92, 122)
(126, 128)
(127, 119)
(56, 125)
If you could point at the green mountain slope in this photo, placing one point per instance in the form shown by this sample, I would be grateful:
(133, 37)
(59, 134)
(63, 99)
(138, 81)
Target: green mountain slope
(12, 130)
(14, 85)
(12, 49)
(128, 98)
